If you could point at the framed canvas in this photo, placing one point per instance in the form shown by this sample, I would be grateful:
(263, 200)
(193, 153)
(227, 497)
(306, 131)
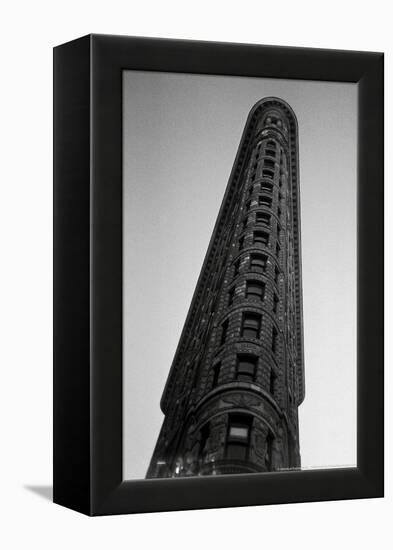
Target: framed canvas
(218, 275)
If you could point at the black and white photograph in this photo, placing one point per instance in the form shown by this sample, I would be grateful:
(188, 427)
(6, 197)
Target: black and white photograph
(194, 219)
(239, 275)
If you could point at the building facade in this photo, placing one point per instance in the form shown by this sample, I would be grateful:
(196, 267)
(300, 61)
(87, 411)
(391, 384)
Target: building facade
(232, 395)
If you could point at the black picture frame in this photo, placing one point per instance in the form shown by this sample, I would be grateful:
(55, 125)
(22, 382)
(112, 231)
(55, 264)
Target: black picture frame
(88, 275)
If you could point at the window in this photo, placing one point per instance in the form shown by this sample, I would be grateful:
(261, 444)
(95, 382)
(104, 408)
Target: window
(265, 201)
(279, 212)
(258, 262)
(275, 302)
(273, 378)
(270, 152)
(276, 274)
(248, 205)
(268, 163)
(255, 290)
(239, 427)
(267, 187)
(216, 374)
(231, 295)
(236, 270)
(271, 145)
(241, 243)
(251, 190)
(251, 325)
(245, 222)
(262, 217)
(246, 368)
(224, 330)
(278, 248)
(260, 237)
(267, 173)
(269, 451)
(274, 340)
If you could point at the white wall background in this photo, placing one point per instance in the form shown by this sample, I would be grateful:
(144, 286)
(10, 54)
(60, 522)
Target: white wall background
(28, 32)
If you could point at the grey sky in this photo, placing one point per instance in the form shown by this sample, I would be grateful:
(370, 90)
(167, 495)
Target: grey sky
(181, 134)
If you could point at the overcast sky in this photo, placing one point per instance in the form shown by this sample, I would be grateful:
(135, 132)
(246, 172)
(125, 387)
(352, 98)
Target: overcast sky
(181, 134)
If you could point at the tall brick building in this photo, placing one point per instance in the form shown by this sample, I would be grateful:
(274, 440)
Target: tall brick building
(232, 395)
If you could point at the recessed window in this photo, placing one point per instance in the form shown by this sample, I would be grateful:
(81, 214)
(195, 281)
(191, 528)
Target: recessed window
(268, 163)
(241, 243)
(278, 248)
(246, 367)
(263, 218)
(271, 145)
(248, 205)
(224, 330)
(216, 374)
(279, 212)
(265, 201)
(270, 152)
(237, 267)
(245, 222)
(238, 438)
(251, 190)
(251, 325)
(266, 173)
(260, 237)
(255, 290)
(266, 187)
(258, 262)
(274, 340)
(276, 274)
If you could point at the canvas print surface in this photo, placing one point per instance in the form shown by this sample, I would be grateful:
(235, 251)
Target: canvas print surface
(239, 275)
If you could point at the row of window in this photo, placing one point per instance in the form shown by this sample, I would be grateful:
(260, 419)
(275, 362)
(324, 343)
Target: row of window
(238, 438)
(259, 237)
(246, 371)
(265, 201)
(257, 263)
(265, 187)
(266, 173)
(254, 290)
(261, 218)
(250, 328)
